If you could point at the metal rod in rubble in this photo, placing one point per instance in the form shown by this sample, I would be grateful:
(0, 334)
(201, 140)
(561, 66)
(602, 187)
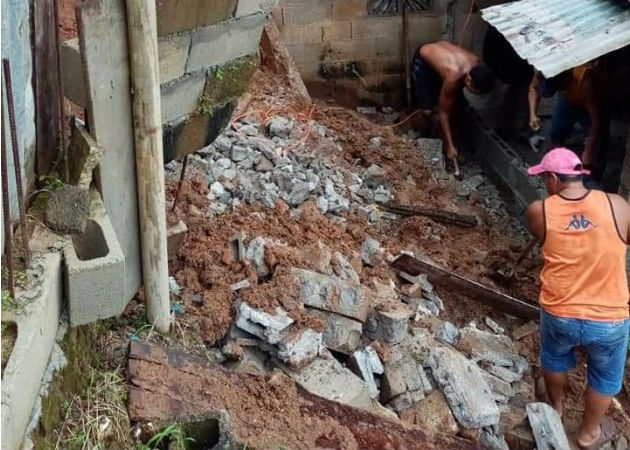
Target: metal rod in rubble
(6, 212)
(6, 66)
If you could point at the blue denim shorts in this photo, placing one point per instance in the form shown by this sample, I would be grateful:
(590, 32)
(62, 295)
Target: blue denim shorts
(606, 345)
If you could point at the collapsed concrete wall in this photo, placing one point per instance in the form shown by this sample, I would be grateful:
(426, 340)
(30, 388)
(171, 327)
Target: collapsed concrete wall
(207, 57)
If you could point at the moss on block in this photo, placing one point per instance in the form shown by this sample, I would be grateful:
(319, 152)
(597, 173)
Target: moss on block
(227, 81)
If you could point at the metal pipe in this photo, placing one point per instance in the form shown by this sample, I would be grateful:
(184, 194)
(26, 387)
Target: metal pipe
(179, 184)
(6, 211)
(6, 66)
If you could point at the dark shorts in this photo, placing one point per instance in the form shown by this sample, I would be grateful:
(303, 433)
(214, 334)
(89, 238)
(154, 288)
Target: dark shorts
(425, 84)
(606, 345)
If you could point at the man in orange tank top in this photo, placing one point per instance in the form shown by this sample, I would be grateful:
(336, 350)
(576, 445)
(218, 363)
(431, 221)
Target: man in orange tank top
(584, 290)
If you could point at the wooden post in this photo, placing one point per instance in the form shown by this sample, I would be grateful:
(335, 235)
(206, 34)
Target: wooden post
(145, 84)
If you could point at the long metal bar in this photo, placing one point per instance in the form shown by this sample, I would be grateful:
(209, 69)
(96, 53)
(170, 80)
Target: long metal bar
(6, 66)
(180, 183)
(6, 210)
(466, 287)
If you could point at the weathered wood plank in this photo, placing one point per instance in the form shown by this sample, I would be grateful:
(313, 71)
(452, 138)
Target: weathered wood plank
(466, 287)
(102, 30)
(265, 412)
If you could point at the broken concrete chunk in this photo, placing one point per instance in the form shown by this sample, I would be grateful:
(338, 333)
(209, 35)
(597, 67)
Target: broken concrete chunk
(446, 333)
(374, 176)
(84, 155)
(465, 389)
(253, 361)
(237, 246)
(382, 195)
(499, 387)
(341, 334)
(319, 256)
(329, 379)
(401, 376)
(262, 324)
(370, 250)
(365, 363)
(503, 373)
(232, 350)
(495, 327)
(343, 269)
(523, 331)
(406, 400)
(67, 209)
(256, 253)
(298, 348)
(432, 413)
(547, 427)
(243, 284)
(388, 323)
(330, 294)
(175, 235)
(280, 127)
(492, 440)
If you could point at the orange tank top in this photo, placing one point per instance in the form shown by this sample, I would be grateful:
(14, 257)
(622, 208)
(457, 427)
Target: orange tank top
(584, 273)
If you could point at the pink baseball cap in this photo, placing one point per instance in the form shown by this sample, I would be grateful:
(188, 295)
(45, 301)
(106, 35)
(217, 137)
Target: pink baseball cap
(559, 160)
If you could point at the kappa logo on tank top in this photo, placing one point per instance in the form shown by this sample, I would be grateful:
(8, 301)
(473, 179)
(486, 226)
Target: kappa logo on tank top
(580, 223)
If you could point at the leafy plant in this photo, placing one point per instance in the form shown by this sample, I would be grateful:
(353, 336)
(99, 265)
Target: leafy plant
(169, 434)
(219, 74)
(51, 182)
(8, 302)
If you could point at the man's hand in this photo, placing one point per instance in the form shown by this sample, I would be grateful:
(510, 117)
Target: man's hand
(534, 123)
(451, 153)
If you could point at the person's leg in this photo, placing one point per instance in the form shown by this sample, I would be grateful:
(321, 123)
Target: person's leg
(423, 81)
(606, 344)
(562, 121)
(558, 338)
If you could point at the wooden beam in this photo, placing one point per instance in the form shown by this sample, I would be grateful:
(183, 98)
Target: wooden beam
(439, 215)
(145, 85)
(466, 287)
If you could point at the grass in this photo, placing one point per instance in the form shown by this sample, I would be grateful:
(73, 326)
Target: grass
(97, 417)
(8, 302)
(171, 435)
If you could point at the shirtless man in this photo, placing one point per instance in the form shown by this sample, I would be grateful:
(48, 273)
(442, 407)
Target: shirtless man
(440, 71)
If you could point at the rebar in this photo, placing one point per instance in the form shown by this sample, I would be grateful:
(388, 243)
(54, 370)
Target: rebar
(6, 210)
(6, 66)
(179, 184)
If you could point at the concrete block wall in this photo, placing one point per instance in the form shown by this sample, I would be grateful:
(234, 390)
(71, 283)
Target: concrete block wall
(338, 40)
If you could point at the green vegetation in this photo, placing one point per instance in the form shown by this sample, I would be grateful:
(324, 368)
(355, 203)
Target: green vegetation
(8, 302)
(171, 437)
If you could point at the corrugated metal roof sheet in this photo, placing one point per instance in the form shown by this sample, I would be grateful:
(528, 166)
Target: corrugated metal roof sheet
(556, 35)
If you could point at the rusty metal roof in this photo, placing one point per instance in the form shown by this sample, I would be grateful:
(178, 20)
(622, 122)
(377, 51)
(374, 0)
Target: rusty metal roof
(556, 35)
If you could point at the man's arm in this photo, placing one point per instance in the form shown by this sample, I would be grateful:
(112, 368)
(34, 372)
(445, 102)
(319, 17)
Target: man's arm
(591, 98)
(447, 98)
(535, 219)
(533, 98)
(621, 210)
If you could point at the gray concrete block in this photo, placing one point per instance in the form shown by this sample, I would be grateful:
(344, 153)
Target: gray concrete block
(389, 323)
(331, 294)
(298, 348)
(95, 266)
(173, 56)
(84, 154)
(223, 42)
(268, 327)
(246, 7)
(67, 209)
(37, 325)
(547, 427)
(180, 98)
(464, 387)
(404, 375)
(73, 78)
(365, 363)
(175, 235)
(340, 333)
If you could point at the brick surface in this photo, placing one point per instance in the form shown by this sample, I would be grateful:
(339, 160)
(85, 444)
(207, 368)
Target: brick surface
(349, 9)
(424, 29)
(307, 52)
(337, 31)
(224, 42)
(181, 97)
(173, 55)
(378, 27)
(302, 34)
(311, 12)
(174, 16)
(246, 7)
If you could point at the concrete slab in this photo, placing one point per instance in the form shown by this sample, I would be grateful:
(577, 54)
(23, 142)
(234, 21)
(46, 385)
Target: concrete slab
(103, 42)
(84, 155)
(37, 325)
(547, 427)
(300, 347)
(266, 326)
(173, 56)
(341, 334)
(73, 79)
(95, 264)
(180, 97)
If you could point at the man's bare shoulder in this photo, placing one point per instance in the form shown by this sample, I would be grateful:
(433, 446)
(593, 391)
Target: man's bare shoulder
(619, 203)
(534, 209)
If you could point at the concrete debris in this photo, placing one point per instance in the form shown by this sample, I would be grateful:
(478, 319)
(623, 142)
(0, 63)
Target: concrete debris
(427, 291)
(280, 127)
(523, 331)
(492, 439)
(232, 350)
(432, 154)
(376, 141)
(495, 327)
(365, 363)
(400, 377)
(466, 391)
(173, 287)
(319, 256)
(328, 378)
(406, 400)
(253, 361)
(237, 246)
(341, 334)
(215, 355)
(432, 413)
(298, 348)
(84, 154)
(243, 284)
(343, 269)
(175, 235)
(382, 195)
(370, 250)
(374, 176)
(446, 333)
(547, 427)
(388, 323)
(256, 253)
(67, 210)
(331, 293)
(267, 327)
(500, 388)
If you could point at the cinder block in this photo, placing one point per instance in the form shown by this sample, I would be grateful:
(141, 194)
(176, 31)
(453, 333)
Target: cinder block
(425, 28)
(196, 132)
(349, 9)
(37, 327)
(174, 16)
(224, 42)
(302, 34)
(175, 235)
(173, 56)
(181, 97)
(246, 7)
(377, 27)
(337, 31)
(307, 52)
(311, 12)
(95, 266)
(72, 76)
